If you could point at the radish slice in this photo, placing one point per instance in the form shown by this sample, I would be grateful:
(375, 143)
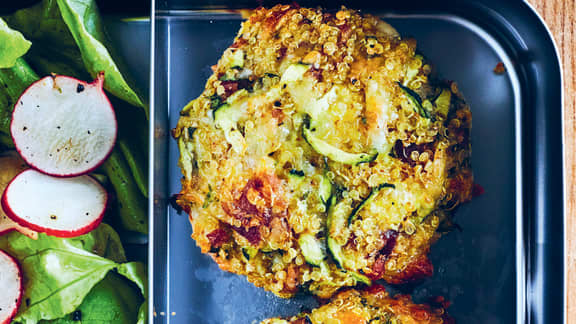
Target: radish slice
(63, 126)
(63, 207)
(11, 283)
(10, 165)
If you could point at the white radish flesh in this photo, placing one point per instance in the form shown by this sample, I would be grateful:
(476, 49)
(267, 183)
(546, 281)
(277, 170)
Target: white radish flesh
(11, 284)
(63, 126)
(63, 207)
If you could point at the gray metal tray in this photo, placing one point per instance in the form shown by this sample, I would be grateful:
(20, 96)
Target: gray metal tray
(510, 250)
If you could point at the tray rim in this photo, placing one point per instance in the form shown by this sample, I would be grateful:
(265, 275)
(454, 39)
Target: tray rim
(563, 153)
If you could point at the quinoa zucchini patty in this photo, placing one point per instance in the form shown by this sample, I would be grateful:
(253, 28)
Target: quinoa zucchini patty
(373, 306)
(320, 154)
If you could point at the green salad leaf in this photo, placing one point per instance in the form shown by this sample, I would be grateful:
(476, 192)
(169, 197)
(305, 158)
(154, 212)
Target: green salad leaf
(61, 272)
(68, 39)
(136, 272)
(133, 213)
(54, 49)
(86, 275)
(111, 301)
(58, 282)
(133, 158)
(13, 45)
(17, 78)
(104, 242)
(13, 81)
(72, 30)
(84, 22)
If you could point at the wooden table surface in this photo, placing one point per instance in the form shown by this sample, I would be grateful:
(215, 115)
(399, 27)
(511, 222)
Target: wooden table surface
(560, 15)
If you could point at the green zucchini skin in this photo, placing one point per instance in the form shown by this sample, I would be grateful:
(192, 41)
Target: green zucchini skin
(334, 153)
(354, 215)
(335, 222)
(312, 248)
(325, 191)
(415, 100)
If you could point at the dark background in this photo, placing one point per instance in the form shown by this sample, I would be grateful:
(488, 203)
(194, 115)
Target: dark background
(132, 7)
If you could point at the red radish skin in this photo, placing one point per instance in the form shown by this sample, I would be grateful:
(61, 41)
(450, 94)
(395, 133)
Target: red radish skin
(52, 231)
(11, 316)
(11, 164)
(98, 82)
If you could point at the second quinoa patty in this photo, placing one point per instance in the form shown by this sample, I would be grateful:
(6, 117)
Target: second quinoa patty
(373, 306)
(320, 154)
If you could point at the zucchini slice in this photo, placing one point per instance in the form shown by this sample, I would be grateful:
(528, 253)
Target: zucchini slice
(295, 177)
(361, 278)
(312, 249)
(443, 102)
(294, 72)
(249, 252)
(237, 59)
(415, 100)
(325, 190)
(354, 215)
(336, 223)
(227, 116)
(334, 153)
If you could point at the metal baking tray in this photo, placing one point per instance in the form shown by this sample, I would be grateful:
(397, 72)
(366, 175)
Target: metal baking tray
(507, 263)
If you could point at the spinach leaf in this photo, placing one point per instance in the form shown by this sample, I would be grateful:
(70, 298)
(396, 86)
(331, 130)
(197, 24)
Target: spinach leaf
(12, 46)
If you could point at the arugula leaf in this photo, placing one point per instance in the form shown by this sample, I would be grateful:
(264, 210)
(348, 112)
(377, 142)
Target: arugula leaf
(13, 45)
(61, 272)
(72, 29)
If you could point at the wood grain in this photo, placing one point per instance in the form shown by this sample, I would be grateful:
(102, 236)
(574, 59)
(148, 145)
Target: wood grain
(560, 15)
